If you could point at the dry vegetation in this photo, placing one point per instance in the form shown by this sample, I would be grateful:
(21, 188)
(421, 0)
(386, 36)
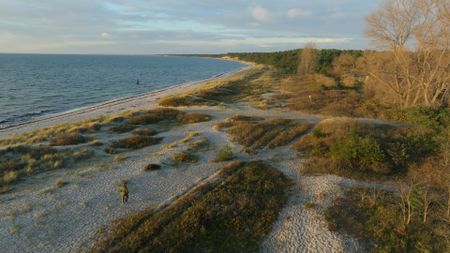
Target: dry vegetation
(19, 161)
(247, 86)
(257, 134)
(68, 139)
(185, 157)
(131, 142)
(375, 218)
(224, 154)
(232, 214)
(30, 153)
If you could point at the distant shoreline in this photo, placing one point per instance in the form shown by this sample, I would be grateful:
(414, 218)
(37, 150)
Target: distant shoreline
(115, 105)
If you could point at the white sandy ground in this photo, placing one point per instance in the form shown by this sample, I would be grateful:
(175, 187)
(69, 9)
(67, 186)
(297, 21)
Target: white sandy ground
(36, 218)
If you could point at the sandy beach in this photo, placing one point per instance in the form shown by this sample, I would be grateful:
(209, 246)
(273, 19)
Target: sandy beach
(139, 102)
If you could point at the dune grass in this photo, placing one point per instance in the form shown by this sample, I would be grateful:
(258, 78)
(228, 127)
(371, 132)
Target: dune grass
(200, 145)
(68, 139)
(131, 142)
(233, 214)
(224, 154)
(185, 157)
(19, 161)
(145, 131)
(254, 135)
(46, 134)
(122, 128)
(165, 115)
(247, 86)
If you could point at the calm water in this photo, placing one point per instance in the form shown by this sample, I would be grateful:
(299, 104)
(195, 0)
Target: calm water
(34, 85)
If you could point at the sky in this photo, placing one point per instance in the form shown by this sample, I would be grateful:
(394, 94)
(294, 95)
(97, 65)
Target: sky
(180, 26)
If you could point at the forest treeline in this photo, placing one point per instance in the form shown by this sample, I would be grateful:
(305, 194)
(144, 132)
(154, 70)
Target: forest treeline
(287, 61)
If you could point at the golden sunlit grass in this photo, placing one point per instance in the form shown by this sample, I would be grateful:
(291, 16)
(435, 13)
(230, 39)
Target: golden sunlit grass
(247, 86)
(20, 161)
(254, 135)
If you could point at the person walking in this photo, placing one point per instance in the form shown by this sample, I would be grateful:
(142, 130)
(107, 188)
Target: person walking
(123, 191)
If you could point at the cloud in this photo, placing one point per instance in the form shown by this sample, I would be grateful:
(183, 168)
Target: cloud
(259, 13)
(296, 12)
(105, 35)
(173, 26)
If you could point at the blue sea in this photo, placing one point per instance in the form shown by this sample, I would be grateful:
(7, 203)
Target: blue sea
(34, 85)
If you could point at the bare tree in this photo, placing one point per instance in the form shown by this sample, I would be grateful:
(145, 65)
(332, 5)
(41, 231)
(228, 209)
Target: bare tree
(415, 34)
(406, 204)
(392, 26)
(308, 60)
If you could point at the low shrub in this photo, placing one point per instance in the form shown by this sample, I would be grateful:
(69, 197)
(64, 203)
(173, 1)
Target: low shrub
(152, 167)
(244, 118)
(254, 135)
(353, 149)
(133, 142)
(122, 128)
(9, 177)
(177, 101)
(167, 115)
(201, 144)
(154, 116)
(225, 154)
(145, 131)
(68, 139)
(358, 152)
(185, 157)
(59, 183)
(193, 117)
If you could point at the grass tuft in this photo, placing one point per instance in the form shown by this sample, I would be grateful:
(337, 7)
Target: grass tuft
(132, 142)
(225, 154)
(68, 139)
(185, 157)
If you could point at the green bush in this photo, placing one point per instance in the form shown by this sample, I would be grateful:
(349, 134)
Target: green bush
(352, 148)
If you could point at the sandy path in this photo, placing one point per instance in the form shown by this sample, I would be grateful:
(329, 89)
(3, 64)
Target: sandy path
(301, 228)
